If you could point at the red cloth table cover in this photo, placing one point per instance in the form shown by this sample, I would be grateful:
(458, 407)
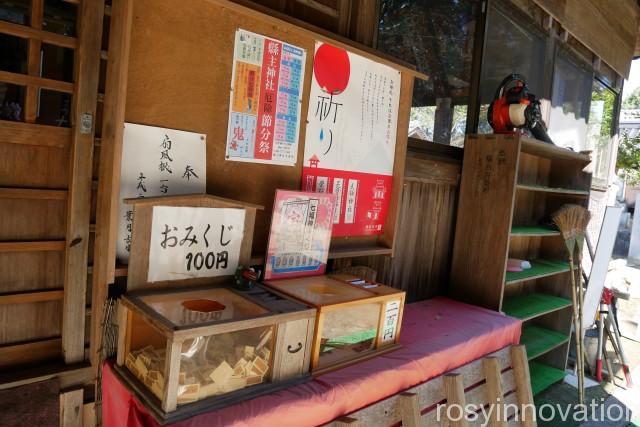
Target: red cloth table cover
(437, 336)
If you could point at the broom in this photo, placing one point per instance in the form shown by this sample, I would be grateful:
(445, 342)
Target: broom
(583, 216)
(570, 219)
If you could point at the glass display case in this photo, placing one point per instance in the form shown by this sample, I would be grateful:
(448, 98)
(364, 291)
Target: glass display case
(356, 319)
(208, 347)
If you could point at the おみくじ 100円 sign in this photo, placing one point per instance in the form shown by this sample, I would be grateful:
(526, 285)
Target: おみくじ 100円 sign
(188, 242)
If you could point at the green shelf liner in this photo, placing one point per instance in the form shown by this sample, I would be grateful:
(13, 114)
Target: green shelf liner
(531, 305)
(539, 267)
(542, 376)
(539, 340)
(534, 230)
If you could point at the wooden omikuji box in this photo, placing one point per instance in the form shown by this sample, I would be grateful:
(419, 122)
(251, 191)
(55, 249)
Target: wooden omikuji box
(188, 341)
(192, 350)
(354, 321)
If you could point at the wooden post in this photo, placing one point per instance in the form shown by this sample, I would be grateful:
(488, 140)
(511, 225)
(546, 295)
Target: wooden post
(520, 366)
(33, 62)
(110, 156)
(409, 409)
(123, 326)
(71, 408)
(453, 388)
(87, 63)
(171, 373)
(494, 395)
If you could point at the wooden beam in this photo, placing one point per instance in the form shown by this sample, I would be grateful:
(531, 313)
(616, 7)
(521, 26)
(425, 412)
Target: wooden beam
(33, 62)
(48, 37)
(32, 296)
(72, 402)
(41, 245)
(31, 352)
(32, 193)
(26, 80)
(31, 134)
(80, 179)
(68, 375)
(109, 173)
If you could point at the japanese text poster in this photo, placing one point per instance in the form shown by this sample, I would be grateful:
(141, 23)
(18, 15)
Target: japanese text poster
(157, 162)
(189, 242)
(351, 137)
(264, 106)
(300, 234)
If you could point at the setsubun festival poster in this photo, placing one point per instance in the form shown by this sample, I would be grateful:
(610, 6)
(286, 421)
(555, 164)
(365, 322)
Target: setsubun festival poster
(351, 136)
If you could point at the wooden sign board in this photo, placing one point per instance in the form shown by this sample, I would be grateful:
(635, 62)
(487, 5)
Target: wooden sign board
(179, 76)
(188, 240)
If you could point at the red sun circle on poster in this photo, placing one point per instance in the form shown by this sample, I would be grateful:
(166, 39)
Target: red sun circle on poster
(331, 69)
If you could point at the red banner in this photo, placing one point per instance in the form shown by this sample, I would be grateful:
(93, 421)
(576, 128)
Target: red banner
(362, 199)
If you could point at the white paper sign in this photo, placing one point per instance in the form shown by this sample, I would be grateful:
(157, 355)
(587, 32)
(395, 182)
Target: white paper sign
(157, 162)
(191, 242)
(391, 313)
(353, 112)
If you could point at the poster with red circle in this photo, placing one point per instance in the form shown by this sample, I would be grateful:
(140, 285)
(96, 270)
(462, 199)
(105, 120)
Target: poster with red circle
(350, 137)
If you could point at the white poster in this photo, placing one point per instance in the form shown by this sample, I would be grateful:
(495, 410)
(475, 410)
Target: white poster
(350, 137)
(191, 242)
(265, 100)
(353, 112)
(157, 162)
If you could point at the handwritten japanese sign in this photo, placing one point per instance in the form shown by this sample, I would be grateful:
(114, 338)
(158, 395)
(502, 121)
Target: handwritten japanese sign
(390, 323)
(189, 242)
(300, 234)
(351, 136)
(157, 162)
(264, 106)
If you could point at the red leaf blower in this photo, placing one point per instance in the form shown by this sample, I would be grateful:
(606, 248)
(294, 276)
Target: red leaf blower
(514, 107)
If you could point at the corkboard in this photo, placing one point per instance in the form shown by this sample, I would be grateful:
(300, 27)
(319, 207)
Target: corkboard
(180, 75)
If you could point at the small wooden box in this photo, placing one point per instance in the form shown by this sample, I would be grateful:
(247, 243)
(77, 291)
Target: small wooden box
(192, 350)
(353, 322)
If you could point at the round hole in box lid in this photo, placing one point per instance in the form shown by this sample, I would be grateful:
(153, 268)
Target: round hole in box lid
(203, 305)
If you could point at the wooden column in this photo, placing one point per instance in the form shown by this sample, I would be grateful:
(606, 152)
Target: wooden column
(33, 62)
(454, 391)
(494, 395)
(87, 63)
(110, 156)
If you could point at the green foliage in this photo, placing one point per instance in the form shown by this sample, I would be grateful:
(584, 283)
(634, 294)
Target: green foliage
(632, 102)
(628, 161)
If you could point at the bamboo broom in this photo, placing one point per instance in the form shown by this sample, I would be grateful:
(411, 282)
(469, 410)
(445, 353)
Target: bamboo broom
(583, 217)
(568, 218)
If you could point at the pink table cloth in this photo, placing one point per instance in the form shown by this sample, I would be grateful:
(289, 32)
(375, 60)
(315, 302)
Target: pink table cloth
(437, 335)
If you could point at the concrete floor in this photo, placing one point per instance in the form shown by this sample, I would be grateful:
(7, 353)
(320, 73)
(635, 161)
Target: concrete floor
(605, 394)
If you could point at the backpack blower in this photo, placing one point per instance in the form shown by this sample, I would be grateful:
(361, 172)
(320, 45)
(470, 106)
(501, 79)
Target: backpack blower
(514, 107)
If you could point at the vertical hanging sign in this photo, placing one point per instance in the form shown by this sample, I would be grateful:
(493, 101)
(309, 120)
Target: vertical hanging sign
(157, 162)
(264, 105)
(351, 137)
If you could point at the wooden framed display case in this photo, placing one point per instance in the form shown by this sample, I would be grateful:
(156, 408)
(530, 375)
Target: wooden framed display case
(190, 350)
(353, 322)
(188, 342)
(511, 184)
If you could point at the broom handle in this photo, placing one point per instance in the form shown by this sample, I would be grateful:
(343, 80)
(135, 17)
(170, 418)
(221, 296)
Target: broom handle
(574, 300)
(581, 320)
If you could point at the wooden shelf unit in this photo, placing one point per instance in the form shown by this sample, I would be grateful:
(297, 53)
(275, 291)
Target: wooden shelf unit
(511, 184)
